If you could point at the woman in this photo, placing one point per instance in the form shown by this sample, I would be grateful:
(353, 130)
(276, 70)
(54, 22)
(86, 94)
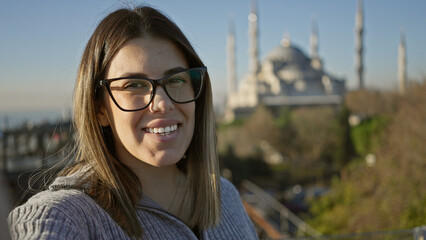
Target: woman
(146, 164)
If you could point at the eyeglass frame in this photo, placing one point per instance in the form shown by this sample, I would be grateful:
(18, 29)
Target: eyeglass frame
(155, 82)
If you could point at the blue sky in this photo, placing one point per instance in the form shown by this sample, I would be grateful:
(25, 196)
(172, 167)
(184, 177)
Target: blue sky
(41, 42)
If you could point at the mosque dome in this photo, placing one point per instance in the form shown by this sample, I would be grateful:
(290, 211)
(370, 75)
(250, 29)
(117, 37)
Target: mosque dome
(286, 53)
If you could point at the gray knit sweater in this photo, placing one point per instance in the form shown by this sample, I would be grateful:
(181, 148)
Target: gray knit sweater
(64, 213)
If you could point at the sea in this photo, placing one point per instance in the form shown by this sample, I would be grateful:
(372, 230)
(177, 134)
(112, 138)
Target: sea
(16, 119)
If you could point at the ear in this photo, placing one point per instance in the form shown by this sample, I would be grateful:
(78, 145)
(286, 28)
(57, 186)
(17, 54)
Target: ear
(103, 118)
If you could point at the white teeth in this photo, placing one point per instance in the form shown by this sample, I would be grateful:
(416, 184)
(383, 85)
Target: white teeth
(163, 130)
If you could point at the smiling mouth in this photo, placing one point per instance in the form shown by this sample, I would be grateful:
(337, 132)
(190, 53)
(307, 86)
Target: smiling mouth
(162, 130)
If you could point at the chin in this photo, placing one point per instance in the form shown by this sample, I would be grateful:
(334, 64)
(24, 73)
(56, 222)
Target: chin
(164, 164)
(165, 161)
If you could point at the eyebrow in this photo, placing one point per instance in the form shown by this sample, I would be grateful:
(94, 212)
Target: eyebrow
(173, 70)
(167, 72)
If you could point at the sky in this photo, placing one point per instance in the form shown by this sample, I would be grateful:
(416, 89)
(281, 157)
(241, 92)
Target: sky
(41, 42)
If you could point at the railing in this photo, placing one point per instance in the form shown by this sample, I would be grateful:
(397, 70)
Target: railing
(273, 210)
(418, 233)
(264, 209)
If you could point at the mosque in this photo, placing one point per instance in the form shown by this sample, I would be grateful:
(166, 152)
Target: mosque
(287, 77)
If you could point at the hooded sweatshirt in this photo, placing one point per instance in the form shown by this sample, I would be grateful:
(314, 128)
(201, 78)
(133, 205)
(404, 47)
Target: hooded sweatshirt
(63, 212)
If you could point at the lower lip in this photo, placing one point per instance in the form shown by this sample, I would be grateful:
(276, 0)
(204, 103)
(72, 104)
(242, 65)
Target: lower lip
(164, 138)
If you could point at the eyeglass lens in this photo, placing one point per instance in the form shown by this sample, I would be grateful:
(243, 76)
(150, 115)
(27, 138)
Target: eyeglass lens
(133, 94)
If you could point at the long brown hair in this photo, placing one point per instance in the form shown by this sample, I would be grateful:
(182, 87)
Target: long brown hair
(113, 185)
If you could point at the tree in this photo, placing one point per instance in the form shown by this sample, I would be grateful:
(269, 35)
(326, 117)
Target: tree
(390, 194)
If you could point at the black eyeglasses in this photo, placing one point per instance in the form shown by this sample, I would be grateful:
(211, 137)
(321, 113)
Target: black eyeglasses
(136, 93)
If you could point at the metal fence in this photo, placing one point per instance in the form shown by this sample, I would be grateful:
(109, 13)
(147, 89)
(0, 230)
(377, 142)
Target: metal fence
(287, 224)
(418, 233)
(280, 217)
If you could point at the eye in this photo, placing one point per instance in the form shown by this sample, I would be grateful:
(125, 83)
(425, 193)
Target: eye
(176, 82)
(129, 85)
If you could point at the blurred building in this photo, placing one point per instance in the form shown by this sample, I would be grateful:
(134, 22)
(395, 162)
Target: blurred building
(286, 77)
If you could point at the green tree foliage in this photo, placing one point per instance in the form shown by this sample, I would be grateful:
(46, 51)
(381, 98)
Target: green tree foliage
(315, 131)
(344, 150)
(390, 194)
(314, 142)
(252, 167)
(238, 145)
(367, 136)
(261, 126)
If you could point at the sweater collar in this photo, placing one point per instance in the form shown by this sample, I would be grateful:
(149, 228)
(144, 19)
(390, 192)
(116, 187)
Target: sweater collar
(70, 181)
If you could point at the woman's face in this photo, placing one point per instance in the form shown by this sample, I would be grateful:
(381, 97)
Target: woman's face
(134, 132)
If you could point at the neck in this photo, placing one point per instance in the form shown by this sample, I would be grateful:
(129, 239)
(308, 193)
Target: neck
(157, 178)
(164, 185)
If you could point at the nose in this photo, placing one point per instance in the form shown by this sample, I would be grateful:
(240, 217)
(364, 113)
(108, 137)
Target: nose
(161, 102)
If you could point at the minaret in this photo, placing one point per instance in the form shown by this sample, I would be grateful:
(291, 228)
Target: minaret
(231, 61)
(402, 65)
(359, 31)
(249, 94)
(253, 41)
(315, 60)
(314, 38)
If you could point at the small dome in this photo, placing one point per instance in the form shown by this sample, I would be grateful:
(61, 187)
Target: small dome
(291, 72)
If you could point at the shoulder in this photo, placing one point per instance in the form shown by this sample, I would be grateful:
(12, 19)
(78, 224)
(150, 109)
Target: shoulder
(229, 194)
(228, 190)
(61, 198)
(66, 201)
(225, 183)
(234, 223)
(57, 197)
(60, 214)
(230, 197)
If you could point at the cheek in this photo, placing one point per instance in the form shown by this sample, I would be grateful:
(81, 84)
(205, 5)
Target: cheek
(190, 113)
(124, 124)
